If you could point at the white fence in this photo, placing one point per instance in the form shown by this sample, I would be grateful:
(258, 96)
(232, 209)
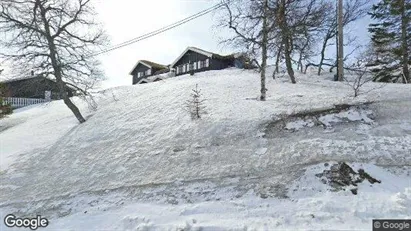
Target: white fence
(22, 102)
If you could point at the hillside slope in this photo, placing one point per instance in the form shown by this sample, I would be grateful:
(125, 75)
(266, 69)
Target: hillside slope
(141, 145)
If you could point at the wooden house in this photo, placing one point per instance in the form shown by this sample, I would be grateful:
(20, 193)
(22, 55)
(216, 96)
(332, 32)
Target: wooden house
(32, 87)
(194, 60)
(144, 69)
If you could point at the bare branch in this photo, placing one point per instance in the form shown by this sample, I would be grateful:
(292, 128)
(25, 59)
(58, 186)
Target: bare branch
(54, 38)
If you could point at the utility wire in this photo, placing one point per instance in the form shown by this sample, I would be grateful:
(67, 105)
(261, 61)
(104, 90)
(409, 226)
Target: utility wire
(161, 30)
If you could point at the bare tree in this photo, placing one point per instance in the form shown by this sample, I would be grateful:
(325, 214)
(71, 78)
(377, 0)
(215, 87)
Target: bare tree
(353, 10)
(277, 60)
(294, 27)
(273, 27)
(54, 38)
(359, 74)
(286, 35)
(340, 41)
(264, 50)
(332, 63)
(304, 21)
(251, 26)
(359, 77)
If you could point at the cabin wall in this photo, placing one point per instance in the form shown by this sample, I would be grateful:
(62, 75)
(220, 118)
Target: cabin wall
(218, 64)
(33, 88)
(140, 68)
(136, 79)
(191, 57)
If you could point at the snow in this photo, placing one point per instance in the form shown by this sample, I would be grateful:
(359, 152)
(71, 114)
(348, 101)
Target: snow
(40, 132)
(261, 151)
(140, 161)
(310, 204)
(350, 115)
(297, 125)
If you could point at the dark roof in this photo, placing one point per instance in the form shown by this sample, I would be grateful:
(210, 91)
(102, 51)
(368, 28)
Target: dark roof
(35, 77)
(18, 79)
(148, 64)
(162, 71)
(204, 52)
(215, 55)
(155, 65)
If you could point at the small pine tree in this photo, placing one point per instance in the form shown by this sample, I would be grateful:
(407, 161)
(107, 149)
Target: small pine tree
(391, 40)
(195, 105)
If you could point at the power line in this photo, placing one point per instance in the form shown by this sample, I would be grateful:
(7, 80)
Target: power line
(161, 30)
(201, 13)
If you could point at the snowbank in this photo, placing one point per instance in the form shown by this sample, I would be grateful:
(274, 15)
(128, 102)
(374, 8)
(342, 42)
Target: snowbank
(141, 146)
(309, 205)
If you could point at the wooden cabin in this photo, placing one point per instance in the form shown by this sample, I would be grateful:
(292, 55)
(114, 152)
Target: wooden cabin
(194, 60)
(144, 69)
(32, 87)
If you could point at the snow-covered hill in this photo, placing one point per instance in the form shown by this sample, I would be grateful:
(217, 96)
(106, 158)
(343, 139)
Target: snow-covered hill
(140, 161)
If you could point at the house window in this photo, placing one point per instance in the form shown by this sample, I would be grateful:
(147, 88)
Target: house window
(195, 65)
(200, 64)
(140, 74)
(191, 66)
(148, 72)
(184, 68)
(207, 62)
(178, 70)
(188, 67)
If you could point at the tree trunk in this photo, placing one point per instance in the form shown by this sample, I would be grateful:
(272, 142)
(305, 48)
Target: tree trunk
(300, 62)
(264, 53)
(286, 41)
(302, 52)
(277, 61)
(288, 63)
(322, 55)
(278, 58)
(340, 42)
(56, 66)
(405, 57)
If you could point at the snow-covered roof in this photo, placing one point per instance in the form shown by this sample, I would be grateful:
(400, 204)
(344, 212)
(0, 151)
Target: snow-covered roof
(148, 64)
(195, 49)
(154, 78)
(239, 55)
(144, 80)
(18, 79)
(10, 80)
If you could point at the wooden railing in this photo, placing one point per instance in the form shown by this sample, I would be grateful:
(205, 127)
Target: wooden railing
(22, 102)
